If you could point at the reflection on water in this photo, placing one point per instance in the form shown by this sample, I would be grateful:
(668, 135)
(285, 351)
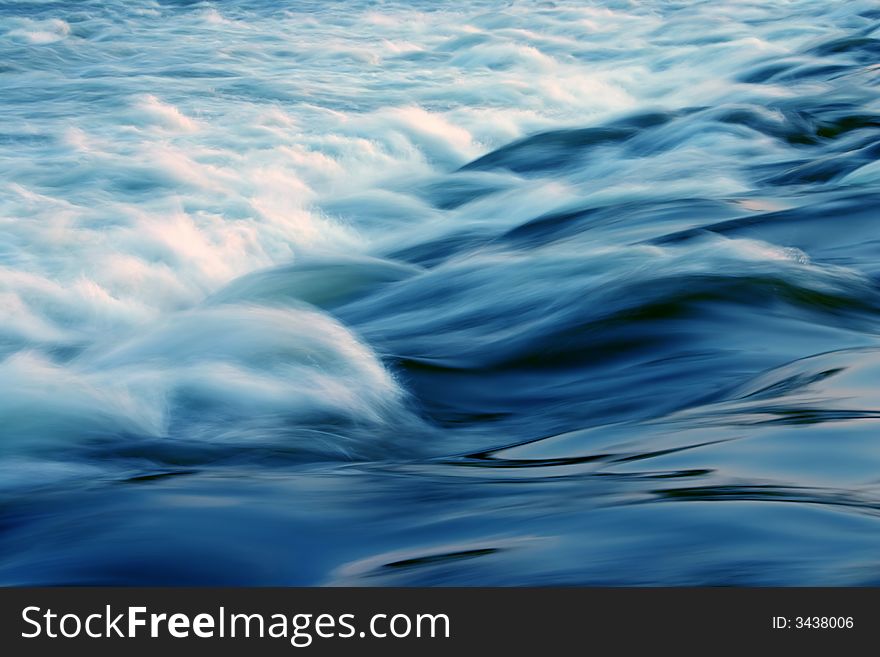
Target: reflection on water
(417, 294)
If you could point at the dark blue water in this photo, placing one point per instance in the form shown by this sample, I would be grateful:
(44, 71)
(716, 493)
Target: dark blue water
(476, 293)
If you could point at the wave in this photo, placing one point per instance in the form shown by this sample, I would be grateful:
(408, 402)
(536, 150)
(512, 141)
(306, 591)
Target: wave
(418, 293)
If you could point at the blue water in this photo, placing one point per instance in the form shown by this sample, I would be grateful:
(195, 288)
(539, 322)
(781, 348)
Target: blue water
(428, 293)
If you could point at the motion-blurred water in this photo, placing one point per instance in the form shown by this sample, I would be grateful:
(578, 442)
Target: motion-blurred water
(420, 293)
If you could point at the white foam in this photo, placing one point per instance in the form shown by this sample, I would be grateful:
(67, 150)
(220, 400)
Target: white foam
(151, 109)
(40, 32)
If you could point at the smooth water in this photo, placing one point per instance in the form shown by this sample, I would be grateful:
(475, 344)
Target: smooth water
(439, 293)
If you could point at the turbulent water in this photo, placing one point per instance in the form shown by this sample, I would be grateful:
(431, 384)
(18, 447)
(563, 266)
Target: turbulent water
(439, 293)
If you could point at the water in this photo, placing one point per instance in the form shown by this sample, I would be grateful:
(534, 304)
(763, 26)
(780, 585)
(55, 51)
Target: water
(417, 293)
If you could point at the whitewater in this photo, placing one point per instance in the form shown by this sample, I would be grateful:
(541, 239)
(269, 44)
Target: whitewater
(439, 293)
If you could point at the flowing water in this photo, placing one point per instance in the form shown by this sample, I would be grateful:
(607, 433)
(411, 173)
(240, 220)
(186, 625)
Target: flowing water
(439, 293)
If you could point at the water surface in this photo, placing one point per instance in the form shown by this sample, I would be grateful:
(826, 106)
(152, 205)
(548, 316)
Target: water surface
(425, 293)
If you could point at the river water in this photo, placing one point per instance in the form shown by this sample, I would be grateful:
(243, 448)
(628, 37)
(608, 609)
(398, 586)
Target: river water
(439, 293)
